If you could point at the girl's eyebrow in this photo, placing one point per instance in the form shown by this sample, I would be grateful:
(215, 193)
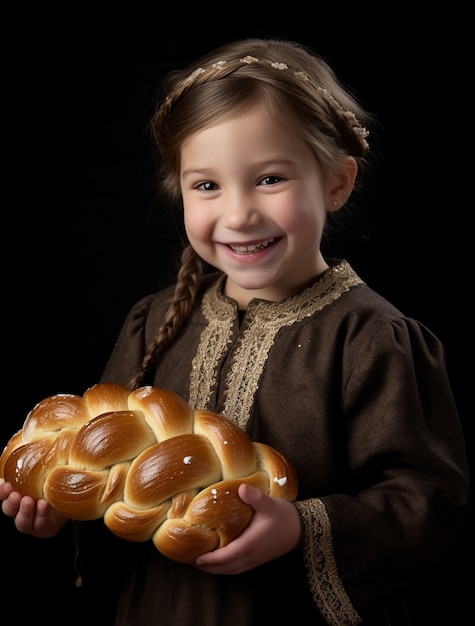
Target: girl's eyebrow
(207, 171)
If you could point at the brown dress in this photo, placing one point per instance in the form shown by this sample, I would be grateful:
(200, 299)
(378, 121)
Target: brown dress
(356, 395)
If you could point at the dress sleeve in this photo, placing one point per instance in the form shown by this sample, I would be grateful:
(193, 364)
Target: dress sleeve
(407, 475)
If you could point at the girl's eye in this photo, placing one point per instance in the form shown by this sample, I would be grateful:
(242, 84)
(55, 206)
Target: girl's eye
(207, 186)
(270, 180)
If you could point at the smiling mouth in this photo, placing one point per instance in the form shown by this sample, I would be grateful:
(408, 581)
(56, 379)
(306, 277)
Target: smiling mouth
(253, 248)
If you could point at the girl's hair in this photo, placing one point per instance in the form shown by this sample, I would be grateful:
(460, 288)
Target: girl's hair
(295, 84)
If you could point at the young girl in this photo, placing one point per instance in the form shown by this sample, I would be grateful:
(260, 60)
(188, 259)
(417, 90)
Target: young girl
(261, 145)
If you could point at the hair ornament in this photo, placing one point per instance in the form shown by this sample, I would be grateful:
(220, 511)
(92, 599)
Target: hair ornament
(279, 66)
(360, 131)
(193, 76)
(249, 59)
(350, 118)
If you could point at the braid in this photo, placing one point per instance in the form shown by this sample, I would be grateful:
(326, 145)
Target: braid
(178, 312)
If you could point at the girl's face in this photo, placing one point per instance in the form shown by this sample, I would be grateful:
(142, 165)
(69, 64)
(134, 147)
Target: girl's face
(255, 201)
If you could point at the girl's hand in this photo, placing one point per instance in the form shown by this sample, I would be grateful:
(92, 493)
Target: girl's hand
(274, 530)
(32, 517)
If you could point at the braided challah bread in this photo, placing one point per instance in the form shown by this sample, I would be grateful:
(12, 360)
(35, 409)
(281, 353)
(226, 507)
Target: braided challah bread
(147, 463)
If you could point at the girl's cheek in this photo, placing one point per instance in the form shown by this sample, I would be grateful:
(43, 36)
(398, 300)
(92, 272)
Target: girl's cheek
(198, 229)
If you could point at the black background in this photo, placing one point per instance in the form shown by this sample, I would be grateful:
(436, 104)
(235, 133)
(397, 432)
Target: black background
(83, 238)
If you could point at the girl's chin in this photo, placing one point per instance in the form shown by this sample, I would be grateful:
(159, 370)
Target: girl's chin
(248, 283)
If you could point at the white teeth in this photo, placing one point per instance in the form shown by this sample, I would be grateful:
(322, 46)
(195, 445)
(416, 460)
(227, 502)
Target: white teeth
(254, 248)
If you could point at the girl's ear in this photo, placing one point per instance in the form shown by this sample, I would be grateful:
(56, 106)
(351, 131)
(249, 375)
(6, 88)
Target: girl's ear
(341, 183)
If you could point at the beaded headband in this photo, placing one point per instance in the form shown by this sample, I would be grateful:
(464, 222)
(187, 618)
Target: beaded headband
(350, 118)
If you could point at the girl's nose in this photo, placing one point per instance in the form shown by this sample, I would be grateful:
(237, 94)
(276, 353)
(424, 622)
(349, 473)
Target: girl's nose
(239, 212)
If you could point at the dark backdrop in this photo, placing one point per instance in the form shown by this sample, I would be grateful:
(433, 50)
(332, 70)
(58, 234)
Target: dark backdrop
(84, 238)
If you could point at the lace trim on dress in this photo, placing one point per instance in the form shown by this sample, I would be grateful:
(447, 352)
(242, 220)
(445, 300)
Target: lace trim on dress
(264, 320)
(325, 584)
